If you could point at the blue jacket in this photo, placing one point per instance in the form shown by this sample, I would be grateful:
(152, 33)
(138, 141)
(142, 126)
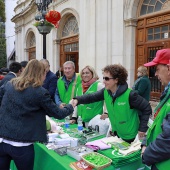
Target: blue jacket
(23, 113)
(7, 78)
(50, 83)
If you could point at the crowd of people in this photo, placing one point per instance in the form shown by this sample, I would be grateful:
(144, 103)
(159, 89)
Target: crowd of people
(30, 91)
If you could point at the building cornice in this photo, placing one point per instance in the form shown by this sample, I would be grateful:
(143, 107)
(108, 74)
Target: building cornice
(131, 22)
(25, 12)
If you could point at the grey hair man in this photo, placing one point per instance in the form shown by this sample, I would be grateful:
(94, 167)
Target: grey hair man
(67, 84)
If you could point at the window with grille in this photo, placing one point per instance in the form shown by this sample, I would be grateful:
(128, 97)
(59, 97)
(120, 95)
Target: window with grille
(158, 33)
(71, 47)
(155, 83)
(32, 40)
(151, 6)
(70, 27)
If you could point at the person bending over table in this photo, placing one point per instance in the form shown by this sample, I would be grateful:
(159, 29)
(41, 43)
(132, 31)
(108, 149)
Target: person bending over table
(24, 104)
(122, 104)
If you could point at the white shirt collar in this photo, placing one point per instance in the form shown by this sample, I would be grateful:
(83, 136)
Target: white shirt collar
(13, 73)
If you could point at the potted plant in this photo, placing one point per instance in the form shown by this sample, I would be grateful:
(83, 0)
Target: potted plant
(43, 26)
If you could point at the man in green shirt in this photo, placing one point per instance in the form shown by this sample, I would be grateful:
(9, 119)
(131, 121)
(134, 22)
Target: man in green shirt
(156, 146)
(67, 84)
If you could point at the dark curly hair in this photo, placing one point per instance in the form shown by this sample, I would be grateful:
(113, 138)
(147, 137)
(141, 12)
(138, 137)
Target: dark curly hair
(117, 71)
(15, 67)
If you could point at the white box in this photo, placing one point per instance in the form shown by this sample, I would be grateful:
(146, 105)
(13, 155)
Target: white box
(77, 152)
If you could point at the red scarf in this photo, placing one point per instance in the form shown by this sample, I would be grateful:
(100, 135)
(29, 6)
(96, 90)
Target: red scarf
(86, 85)
(157, 113)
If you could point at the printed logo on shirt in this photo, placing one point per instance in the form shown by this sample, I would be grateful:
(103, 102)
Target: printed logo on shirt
(121, 103)
(91, 91)
(116, 153)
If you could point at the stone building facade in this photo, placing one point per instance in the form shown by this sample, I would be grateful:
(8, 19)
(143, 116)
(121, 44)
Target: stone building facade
(97, 33)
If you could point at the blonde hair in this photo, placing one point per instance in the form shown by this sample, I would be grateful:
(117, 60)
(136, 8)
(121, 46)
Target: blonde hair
(143, 70)
(92, 70)
(31, 76)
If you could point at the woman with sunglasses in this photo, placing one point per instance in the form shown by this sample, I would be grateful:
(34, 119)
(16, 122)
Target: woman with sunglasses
(122, 104)
(24, 105)
(90, 84)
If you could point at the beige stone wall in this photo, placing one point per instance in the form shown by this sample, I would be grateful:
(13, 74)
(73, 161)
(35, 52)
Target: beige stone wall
(106, 32)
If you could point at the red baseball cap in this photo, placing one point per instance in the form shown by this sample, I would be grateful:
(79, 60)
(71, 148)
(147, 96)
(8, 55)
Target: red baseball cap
(162, 57)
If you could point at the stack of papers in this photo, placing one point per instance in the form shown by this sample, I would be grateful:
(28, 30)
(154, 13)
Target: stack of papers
(121, 146)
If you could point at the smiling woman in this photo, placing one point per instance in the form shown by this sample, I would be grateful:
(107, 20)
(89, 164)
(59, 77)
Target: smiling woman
(107, 78)
(90, 84)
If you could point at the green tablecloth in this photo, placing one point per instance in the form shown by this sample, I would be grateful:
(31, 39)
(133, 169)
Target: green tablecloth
(49, 160)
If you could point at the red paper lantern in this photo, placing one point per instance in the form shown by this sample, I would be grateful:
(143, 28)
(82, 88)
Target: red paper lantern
(53, 17)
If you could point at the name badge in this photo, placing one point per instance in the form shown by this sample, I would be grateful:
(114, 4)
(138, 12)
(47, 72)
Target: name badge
(150, 122)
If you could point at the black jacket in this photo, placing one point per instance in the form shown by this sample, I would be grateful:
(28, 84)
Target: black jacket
(135, 101)
(23, 113)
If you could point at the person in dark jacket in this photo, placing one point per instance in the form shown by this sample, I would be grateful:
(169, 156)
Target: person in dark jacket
(14, 71)
(156, 146)
(23, 64)
(59, 73)
(142, 85)
(50, 81)
(122, 104)
(24, 104)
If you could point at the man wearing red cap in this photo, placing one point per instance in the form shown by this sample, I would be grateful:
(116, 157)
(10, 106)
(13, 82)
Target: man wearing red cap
(156, 146)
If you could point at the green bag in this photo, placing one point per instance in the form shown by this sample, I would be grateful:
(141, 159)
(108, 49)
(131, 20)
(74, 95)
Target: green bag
(48, 125)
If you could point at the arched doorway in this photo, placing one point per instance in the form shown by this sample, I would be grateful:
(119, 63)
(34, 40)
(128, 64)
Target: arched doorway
(69, 44)
(31, 46)
(153, 33)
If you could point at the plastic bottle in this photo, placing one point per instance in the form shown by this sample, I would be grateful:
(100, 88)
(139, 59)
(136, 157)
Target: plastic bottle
(67, 123)
(80, 125)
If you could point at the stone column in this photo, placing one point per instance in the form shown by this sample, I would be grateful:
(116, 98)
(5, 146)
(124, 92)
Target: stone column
(129, 44)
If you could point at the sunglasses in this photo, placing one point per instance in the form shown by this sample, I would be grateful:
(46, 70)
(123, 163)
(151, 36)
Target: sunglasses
(107, 78)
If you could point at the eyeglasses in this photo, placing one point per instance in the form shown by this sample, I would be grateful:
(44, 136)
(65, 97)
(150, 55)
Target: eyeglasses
(83, 73)
(107, 78)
